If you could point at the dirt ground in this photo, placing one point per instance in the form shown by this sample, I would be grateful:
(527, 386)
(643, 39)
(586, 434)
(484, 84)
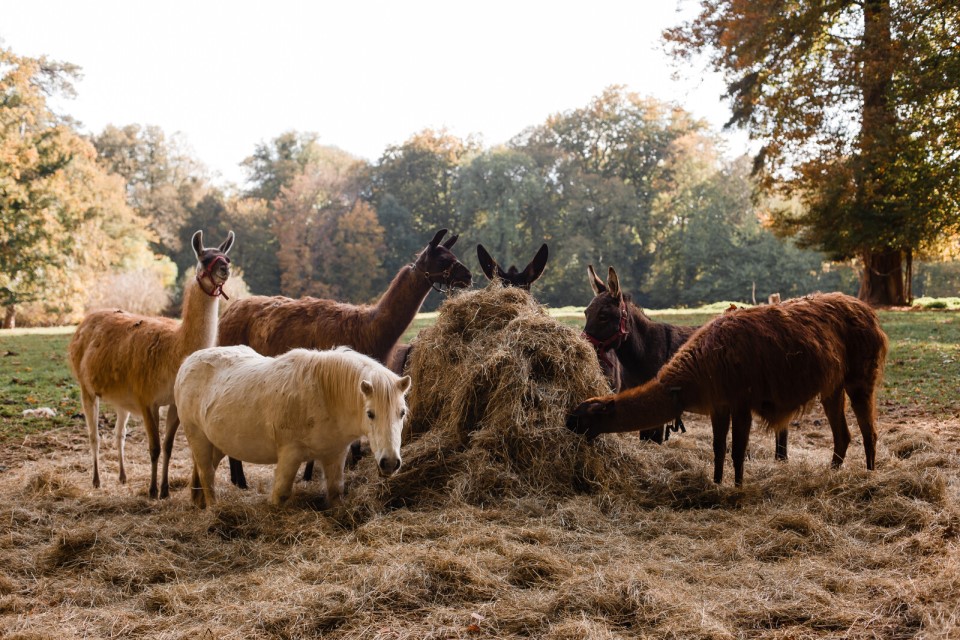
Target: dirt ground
(800, 552)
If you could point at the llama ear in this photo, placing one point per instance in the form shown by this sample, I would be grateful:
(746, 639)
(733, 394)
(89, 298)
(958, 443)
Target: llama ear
(197, 243)
(404, 384)
(366, 388)
(436, 238)
(595, 283)
(535, 269)
(227, 244)
(452, 240)
(487, 263)
(613, 283)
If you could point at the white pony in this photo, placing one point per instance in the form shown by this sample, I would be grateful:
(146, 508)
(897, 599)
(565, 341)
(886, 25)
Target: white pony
(303, 405)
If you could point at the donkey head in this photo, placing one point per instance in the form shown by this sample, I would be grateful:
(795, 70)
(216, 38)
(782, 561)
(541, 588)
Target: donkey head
(512, 277)
(386, 408)
(439, 266)
(213, 265)
(606, 319)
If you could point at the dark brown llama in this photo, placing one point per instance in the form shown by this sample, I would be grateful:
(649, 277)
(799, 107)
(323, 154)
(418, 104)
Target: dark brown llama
(771, 361)
(273, 325)
(511, 277)
(131, 361)
(631, 347)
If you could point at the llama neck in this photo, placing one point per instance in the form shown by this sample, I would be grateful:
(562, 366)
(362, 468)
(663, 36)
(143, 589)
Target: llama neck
(397, 308)
(198, 330)
(650, 405)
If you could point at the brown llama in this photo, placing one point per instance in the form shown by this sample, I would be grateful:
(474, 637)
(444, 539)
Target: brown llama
(131, 361)
(632, 348)
(272, 325)
(772, 361)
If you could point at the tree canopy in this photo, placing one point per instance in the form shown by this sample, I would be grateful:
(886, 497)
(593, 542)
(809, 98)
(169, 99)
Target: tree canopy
(855, 104)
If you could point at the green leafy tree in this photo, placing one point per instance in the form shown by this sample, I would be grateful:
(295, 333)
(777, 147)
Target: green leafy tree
(855, 105)
(62, 218)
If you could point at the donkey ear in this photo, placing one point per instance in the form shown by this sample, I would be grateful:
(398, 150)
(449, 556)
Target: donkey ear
(452, 240)
(436, 239)
(404, 384)
(366, 388)
(197, 243)
(613, 283)
(227, 244)
(595, 283)
(535, 269)
(487, 263)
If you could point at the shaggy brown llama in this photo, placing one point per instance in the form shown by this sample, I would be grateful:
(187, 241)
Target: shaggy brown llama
(632, 348)
(131, 361)
(273, 325)
(771, 361)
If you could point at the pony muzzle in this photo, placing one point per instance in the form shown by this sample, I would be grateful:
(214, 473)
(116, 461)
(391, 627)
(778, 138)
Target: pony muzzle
(389, 465)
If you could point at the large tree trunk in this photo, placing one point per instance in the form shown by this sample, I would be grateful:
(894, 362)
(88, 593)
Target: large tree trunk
(882, 278)
(10, 317)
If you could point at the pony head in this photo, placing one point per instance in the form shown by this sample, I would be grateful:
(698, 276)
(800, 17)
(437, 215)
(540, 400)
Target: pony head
(385, 407)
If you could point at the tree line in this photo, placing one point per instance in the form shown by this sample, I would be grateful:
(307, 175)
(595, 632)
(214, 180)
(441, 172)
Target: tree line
(625, 180)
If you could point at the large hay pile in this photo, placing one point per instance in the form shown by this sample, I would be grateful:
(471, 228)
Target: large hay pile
(494, 379)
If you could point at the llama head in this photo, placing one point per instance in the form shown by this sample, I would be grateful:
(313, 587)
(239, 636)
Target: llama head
(512, 277)
(385, 408)
(439, 266)
(213, 265)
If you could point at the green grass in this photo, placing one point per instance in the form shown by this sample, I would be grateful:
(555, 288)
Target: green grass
(923, 365)
(34, 372)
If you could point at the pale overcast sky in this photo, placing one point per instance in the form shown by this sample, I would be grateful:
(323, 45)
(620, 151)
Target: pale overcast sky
(362, 74)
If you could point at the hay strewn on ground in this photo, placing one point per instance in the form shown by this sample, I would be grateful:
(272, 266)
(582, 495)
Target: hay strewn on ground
(500, 540)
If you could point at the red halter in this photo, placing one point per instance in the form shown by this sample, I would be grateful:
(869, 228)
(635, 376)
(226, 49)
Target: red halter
(614, 341)
(208, 273)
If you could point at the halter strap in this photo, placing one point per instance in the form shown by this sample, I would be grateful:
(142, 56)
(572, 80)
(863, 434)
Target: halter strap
(614, 341)
(207, 272)
(445, 276)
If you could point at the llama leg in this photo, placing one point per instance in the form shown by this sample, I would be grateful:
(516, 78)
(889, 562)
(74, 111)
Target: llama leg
(120, 433)
(236, 474)
(781, 447)
(202, 490)
(833, 406)
(151, 420)
(91, 413)
(721, 425)
(741, 438)
(864, 408)
(283, 477)
(196, 488)
(173, 422)
(308, 471)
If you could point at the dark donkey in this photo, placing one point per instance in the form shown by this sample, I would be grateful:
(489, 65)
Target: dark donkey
(632, 348)
(274, 325)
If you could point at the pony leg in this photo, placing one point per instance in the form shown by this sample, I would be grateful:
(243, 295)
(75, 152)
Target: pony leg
(833, 407)
(721, 426)
(864, 408)
(120, 433)
(151, 420)
(283, 477)
(236, 474)
(333, 474)
(741, 438)
(173, 422)
(91, 413)
(781, 446)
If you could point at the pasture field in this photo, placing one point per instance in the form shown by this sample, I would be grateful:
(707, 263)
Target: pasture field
(799, 552)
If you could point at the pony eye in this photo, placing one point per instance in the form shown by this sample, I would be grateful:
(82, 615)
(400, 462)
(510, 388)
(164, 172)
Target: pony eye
(403, 412)
(370, 414)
